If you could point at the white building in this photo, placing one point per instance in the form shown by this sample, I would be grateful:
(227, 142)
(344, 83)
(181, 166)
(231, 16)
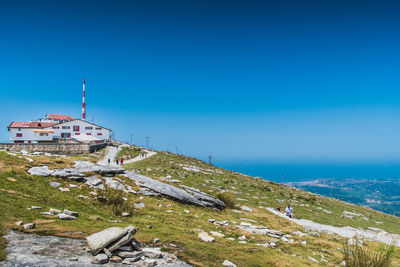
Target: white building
(43, 131)
(80, 130)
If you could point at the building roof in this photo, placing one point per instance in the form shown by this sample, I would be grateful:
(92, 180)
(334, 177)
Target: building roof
(31, 124)
(59, 117)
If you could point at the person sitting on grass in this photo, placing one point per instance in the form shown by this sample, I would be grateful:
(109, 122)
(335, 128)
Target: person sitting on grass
(289, 211)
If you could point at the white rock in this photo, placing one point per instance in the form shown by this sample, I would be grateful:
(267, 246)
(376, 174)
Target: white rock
(100, 240)
(205, 237)
(227, 263)
(312, 259)
(245, 208)
(217, 234)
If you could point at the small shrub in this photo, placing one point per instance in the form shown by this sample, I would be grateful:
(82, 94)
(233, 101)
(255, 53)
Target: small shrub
(360, 256)
(114, 198)
(228, 199)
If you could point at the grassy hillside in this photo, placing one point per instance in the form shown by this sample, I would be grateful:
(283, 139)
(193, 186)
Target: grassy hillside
(178, 229)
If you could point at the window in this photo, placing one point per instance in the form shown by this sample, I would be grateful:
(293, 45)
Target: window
(98, 128)
(88, 128)
(77, 133)
(29, 141)
(65, 135)
(99, 134)
(56, 127)
(44, 134)
(19, 134)
(75, 128)
(66, 127)
(88, 133)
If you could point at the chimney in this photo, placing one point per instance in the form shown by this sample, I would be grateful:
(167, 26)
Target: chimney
(83, 101)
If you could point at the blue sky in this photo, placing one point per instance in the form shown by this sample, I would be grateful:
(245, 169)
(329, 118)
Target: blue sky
(276, 81)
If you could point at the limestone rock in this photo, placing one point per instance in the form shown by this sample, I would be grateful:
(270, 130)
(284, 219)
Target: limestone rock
(40, 171)
(139, 205)
(93, 181)
(19, 223)
(245, 208)
(217, 234)
(100, 240)
(54, 184)
(205, 237)
(154, 253)
(227, 263)
(63, 216)
(131, 230)
(54, 211)
(71, 213)
(100, 259)
(29, 226)
(36, 207)
(115, 259)
(130, 254)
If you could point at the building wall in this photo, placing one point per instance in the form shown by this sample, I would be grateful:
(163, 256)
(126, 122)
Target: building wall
(62, 149)
(28, 135)
(69, 129)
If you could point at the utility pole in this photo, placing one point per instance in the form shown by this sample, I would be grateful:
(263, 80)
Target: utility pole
(241, 167)
(148, 142)
(283, 177)
(210, 160)
(176, 150)
(131, 138)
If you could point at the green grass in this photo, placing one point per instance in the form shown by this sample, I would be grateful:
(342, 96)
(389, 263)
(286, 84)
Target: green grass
(178, 228)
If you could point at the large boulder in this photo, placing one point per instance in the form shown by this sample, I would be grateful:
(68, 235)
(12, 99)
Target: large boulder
(98, 241)
(124, 240)
(206, 199)
(66, 173)
(93, 181)
(164, 189)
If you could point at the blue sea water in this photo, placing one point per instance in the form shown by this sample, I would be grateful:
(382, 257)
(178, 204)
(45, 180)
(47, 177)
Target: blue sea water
(296, 172)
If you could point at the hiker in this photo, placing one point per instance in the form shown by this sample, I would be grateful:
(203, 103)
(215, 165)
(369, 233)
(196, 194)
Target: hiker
(116, 161)
(109, 161)
(289, 212)
(122, 160)
(279, 208)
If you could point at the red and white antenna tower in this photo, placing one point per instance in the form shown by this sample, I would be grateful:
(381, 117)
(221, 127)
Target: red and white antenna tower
(83, 101)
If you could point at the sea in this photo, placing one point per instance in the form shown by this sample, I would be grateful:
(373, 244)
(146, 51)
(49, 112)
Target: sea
(297, 172)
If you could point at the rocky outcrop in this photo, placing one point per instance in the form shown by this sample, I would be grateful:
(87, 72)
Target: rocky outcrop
(83, 171)
(34, 250)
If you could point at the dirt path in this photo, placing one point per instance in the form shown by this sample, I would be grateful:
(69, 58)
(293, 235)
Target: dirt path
(139, 158)
(112, 152)
(347, 231)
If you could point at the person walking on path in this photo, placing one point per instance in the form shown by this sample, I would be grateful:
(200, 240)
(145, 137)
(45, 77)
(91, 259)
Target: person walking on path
(116, 161)
(122, 161)
(109, 161)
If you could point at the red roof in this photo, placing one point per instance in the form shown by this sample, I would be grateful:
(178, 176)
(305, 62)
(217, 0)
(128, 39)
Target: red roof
(59, 117)
(33, 124)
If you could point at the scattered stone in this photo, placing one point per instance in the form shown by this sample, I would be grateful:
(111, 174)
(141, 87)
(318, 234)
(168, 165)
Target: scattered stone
(54, 184)
(303, 242)
(115, 259)
(46, 213)
(245, 208)
(95, 218)
(73, 185)
(227, 263)
(242, 242)
(230, 238)
(36, 208)
(130, 254)
(205, 237)
(19, 223)
(107, 252)
(40, 171)
(28, 226)
(156, 240)
(312, 259)
(126, 214)
(153, 253)
(11, 179)
(125, 239)
(98, 241)
(63, 216)
(217, 234)
(54, 211)
(62, 189)
(237, 211)
(243, 237)
(100, 259)
(139, 205)
(72, 213)
(187, 211)
(83, 197)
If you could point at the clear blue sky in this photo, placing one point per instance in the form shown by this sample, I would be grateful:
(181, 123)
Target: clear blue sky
(240, 80)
